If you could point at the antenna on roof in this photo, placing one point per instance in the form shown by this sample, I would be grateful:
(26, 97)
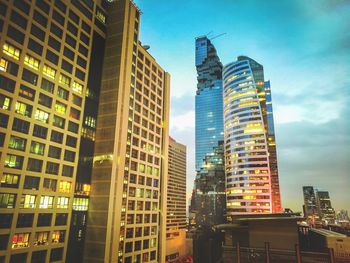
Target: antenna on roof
(209, 33)
(218, 36)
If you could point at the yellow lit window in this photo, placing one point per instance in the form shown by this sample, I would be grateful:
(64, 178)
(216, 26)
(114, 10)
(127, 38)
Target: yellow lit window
(62, 202)
(41, 116)
(64, 80)
(3, 64)
(11, 51)
(65, 187)
(77, 87)
(100, 16)
(5, 102)
(23, 109)
(20, 240)
(88, 133)
(48, 71)
(90, 121)
(27, 201)
(46, 202)
(58, 236)
(60, 108)
(31, 62)
(41, 238)
(80, 204)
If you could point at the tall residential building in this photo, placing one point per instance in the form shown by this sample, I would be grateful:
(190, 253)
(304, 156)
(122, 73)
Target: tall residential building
(208, 203)
(127, 210)
(176, 205)
(209, 102)
(45, 115)
(310, 205)
(324, 206)
(250, 150)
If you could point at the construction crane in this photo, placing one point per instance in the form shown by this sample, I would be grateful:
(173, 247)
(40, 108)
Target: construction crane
(217, 36)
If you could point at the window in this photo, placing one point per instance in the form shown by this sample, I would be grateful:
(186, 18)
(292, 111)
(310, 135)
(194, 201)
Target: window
(90, 121)
(54, 44)
(56, 254)
(45, 100)
(46, 202)
(44, 219)
(41, 115)
(35, 47)
(74, 113)
(48, 71)
(77, 100)
(15, 34)
(80, 204)
(67, 171)
(9, 180)
(58, 122)
(20, 240)
(31, 62)
(71, 141)
(37, 32)
(14, 161)
(50, 184)
(88, 133)
(77, 87)
(11, 51)
(58, 236)
(54, 152)
(64, 80)
(31, 182)
(62, 202)
(61, 219)
(71, 41)
(65, 187)
(52, 57)
(56, 30)
(38, 17)
(5, 221)
(7, 84)
(62, 93)
(20, 125)
(73, 127)
(66, 66)
(58, 18)
(27, 201)
(47, 85)
(37, 148)
(3, 64)
(60, 107)
(79, 74)
(29, 77)
(17, 143)
(26, 92)
(56, 136)
(5, 102)
(23, 109)
(7, 200)
(39, 256)
(41, 238)
(52, 168)
(34, 165)
(40, 131)
(25, 220)
(4, 120)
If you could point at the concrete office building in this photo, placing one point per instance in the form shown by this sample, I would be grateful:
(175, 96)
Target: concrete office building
(176, 205)
(127, 210)
(250, 150)
(45, 57)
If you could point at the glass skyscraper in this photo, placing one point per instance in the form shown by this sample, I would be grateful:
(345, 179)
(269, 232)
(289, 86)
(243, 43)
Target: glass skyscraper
(250, 150)
(209, 102)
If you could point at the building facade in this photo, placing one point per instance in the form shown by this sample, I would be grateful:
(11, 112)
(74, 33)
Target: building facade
(176, 202)
(324, 206)
(208, 102)
(250, 150)
(310, 205)
(126, 219)
(45, 60)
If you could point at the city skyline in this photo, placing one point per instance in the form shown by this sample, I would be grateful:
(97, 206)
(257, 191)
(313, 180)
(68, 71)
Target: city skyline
(312, 54)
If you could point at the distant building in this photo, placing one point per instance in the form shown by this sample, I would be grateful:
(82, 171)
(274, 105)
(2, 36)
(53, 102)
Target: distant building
(324, 206)
(208, 204)
(209, 101)
(252, 184)
(176, 202)
(310, 205)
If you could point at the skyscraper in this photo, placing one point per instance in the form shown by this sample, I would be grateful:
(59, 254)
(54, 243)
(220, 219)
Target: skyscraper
(176, 205)
(209, 103)
(127, 210)
(310, 205)
(324, 206)
(46, 55)
(250, 149)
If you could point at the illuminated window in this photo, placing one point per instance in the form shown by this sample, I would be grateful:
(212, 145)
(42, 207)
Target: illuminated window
(90, 121)
(37, 148)
(62, 202)
(7, 200)
(9, 180)
(77, 87)
(14, 161)
(23, 109)
(64, 80)
(80, 204)
(41, 116)
(141, 168)
(31, 62)
(46, 202)
(60, 107)
(11, 51)
(65, 187)
(3, 64)
(27, 201)
(48, 71)
(5, 102)
(20, 240)
(58, 236)
(17, 143)
(41, 238)
(100, 16)
(88, 133)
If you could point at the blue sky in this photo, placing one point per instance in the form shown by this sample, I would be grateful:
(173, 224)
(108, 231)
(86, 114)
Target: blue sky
(305, 49)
